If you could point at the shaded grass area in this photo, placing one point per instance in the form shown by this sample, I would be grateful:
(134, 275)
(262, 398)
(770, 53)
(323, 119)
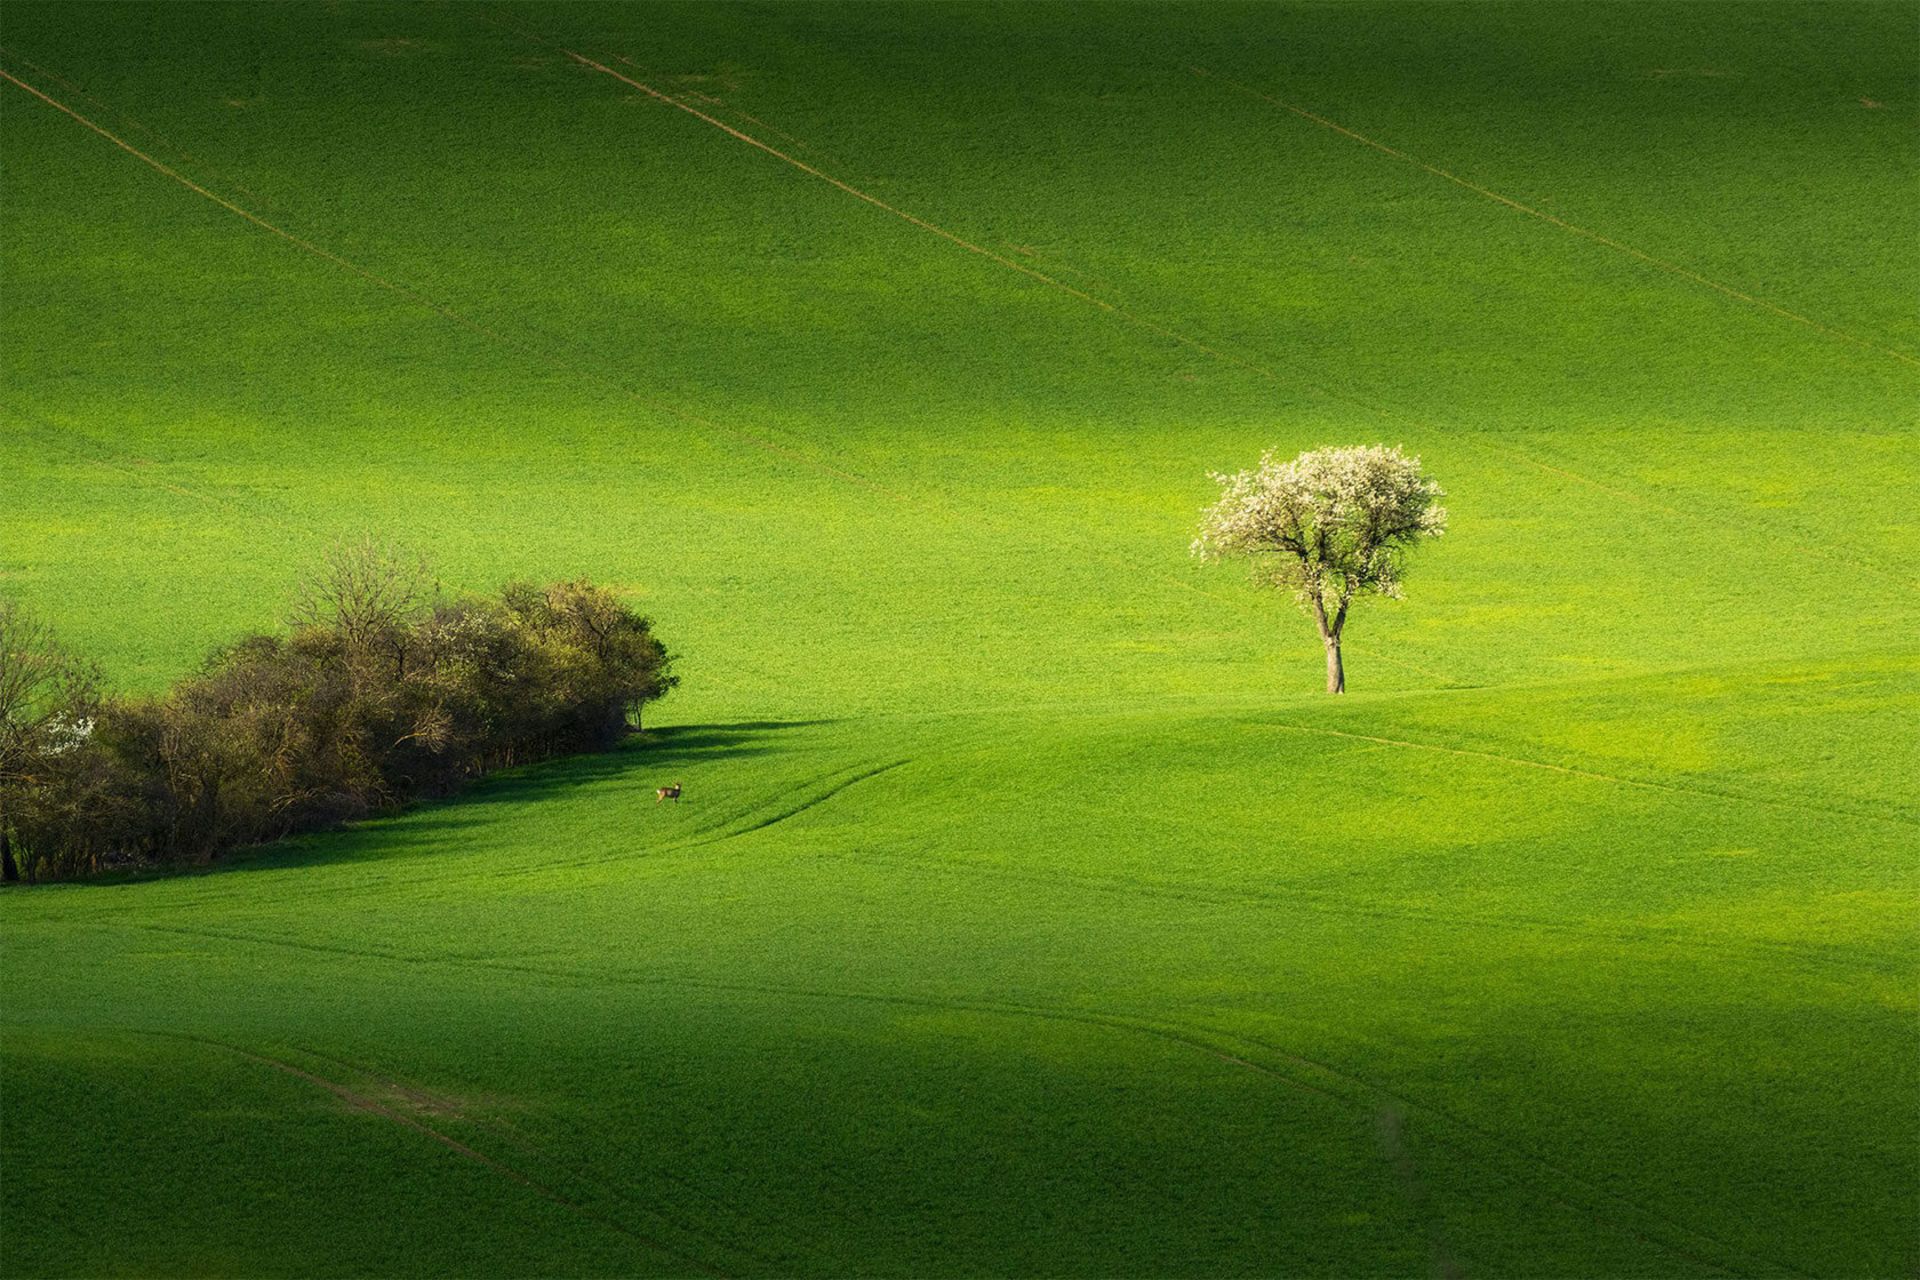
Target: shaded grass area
(1020, 916)
(1005, 1002)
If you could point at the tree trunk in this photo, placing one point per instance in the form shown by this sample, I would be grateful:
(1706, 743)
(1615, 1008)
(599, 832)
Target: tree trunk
(9, 869)
(1330, 636)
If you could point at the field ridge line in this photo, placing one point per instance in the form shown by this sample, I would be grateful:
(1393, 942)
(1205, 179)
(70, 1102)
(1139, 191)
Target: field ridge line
(1340, 906)
(1595, 236)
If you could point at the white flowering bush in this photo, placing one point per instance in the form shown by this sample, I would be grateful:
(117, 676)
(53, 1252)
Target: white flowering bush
(1330, 525)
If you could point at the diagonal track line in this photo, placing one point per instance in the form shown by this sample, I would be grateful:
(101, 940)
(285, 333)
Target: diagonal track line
(542, 354)
(1342, 396)
(1662, 264)
(420, 299)
(140, 126)
(970, 246)
(560, 361)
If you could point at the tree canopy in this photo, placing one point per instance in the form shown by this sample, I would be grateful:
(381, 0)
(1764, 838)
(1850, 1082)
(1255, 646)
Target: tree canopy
(1329, 525)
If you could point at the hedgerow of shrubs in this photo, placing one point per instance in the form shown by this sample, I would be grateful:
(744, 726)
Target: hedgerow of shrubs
(381, 692)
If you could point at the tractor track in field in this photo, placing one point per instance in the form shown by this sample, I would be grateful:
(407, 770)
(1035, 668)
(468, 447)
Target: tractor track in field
(719, 831)
(871, 199)
(1302, 897)
(136, 124)
(1172, 1032)
(1320, 902)
(723, 105)
(794, 810)
(1338, 1086)
(1117, 1021)
(934, 501)
(1531, 212)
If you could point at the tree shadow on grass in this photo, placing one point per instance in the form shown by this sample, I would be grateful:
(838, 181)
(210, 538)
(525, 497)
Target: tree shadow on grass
(650, 758)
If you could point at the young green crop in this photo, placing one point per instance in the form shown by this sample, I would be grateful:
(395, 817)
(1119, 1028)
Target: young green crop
(1026, 910)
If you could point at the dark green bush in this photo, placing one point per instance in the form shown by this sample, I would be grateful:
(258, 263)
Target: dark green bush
(380, 694)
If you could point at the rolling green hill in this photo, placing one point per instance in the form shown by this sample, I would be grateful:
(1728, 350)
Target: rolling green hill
(1027, 911)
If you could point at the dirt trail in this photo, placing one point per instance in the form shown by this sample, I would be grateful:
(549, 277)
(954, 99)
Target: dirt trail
(1661, 263)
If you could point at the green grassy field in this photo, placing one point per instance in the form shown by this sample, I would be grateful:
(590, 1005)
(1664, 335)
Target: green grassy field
(1028, 910)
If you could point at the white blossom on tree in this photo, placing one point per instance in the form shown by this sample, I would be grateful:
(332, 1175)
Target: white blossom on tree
(1331, 525)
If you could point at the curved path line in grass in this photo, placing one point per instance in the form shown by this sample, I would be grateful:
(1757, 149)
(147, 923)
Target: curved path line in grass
(707, 835)
(1319, 901)
(794, 810)
(1563, 224)
(1168, 1031)
(1371, 1095)
(414, 296)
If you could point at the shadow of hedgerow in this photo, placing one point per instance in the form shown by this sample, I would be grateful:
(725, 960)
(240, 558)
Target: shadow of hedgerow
(642, 761)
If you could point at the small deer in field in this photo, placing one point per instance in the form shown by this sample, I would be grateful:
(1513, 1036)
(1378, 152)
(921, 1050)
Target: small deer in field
(667, 793)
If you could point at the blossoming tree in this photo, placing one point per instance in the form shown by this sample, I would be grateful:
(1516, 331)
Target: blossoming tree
(1331, 525)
